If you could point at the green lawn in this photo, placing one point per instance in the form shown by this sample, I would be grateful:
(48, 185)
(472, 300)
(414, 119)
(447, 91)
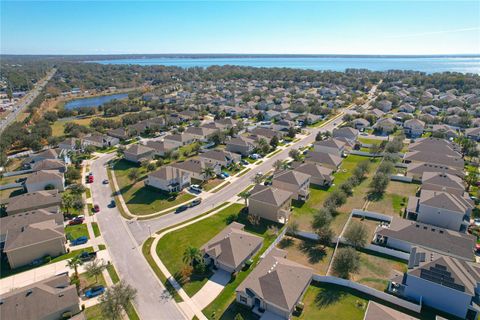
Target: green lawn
(12, 179)
(211, 184)
(324, 301)
(395, 199)
(369, 140)
(96, 229)
(94, 312)
(79, 230)
(113, 273)
(171, 247)
(87, 282)
(142, 200)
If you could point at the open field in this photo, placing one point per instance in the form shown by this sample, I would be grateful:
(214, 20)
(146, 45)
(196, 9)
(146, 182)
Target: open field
(395, 198)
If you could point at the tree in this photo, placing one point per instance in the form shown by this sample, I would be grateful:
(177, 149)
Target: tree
(319, 136)
(295, 154)
(77, 188)
(73, 264)
(291, 132)
(151, 166)
(253, 219)
(116, 299)
(346, 261)
(322, 218)
(347, 187)
(375, 149)
(379, 183)
(356, 235)
(208, 172)
(72, 174)
(471, 179)
(336, 199)
(134, 174)
(191, 255)
(263, 147)
(67, 201)
(95, 268)
(292, 228)
(386, 167)
(274, 142)
(245, 195)
(278, 164)
(325, 236)
(257, 179)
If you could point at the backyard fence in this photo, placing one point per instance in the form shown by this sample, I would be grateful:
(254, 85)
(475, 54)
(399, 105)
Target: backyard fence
(401, 178)
(275, 242)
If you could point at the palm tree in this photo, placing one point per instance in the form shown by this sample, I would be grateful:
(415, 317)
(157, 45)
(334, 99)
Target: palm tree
(73, 264)
(191, 255)
(208, 172)
(245, 195)
(95, 268)
(278, 164)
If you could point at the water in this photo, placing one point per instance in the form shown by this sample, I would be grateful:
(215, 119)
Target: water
(94, 101)
(424, 64)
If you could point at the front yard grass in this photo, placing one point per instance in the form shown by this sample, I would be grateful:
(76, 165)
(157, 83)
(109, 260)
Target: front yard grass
(171, 247)
(87, 282)
(79, 230)
(369, 140)
(113, 273)
(140, 199)
(96, 229)
(211, 184)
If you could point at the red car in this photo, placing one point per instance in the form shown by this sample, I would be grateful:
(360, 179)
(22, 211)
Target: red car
(75, 221)
(96, 208)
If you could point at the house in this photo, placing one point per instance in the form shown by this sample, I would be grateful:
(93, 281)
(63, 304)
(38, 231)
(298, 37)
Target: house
(100, 141)
(384, 105)
(331, 145)
(160, 148)
(270, 203)
(385, 125)
(267, 134)
(434, 158)
(376, 311)
(414, 127)
(231, 248)
(432, 110)
(377, 113)
(48, 299)
(406, 107)
(283, 125)
(168, 179)
(416, 170)
(444, 130)
(42, 180)
(271, 115)
(402, 234)
(32, 235)
(241, 145)
(226, 123)
(320, 176)
(439, 181)
(473, 133)
(441, 209)
(49, 164)
(46, 154)
(327, 160)
(201, 133)
(69, 144)
(179, 139)
(436, 146)
(440, 282)
(360, 124)
(138, 153)
(295, 182)
(276, 285)
(220, 158)
(196, 169)
(32, 201)
(346, 133)
(120, 133)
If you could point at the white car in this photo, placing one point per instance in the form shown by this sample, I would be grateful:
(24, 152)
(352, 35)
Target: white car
(196, 188)
(476, 222)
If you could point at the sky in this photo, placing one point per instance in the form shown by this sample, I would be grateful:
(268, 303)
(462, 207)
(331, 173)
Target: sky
(267, 27)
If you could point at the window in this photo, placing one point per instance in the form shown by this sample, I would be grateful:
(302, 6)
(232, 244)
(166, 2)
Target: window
(243, 300)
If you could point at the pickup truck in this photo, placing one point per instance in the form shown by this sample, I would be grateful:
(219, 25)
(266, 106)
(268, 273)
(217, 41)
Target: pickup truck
(94, 291)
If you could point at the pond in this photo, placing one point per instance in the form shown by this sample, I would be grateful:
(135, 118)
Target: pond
(94, 101)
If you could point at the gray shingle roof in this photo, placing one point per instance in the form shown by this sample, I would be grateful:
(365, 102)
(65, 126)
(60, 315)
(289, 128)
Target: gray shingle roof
(270, 195)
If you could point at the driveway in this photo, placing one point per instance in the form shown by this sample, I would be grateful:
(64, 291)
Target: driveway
(211, 289)
(152, 302)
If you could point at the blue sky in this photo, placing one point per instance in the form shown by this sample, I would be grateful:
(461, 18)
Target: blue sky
(315, 27)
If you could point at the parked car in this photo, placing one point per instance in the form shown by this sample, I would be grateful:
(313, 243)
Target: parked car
(181, 209)
(195, 202)
(112, 204)
(254, 156)
(94, 291)
(244, 162)
(225, 174)
(79, 241)
(195, 188)
(75, 221)
(96, 208)
(105, 181)
(476, 222)
(87, 256)
(221, 176)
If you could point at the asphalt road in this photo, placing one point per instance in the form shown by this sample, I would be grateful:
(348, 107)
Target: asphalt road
(152, 301)
(26, 100)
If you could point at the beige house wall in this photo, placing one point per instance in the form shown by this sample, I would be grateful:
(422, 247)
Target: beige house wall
(25, 255)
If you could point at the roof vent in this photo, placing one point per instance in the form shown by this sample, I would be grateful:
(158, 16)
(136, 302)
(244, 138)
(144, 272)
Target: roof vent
(29, 292)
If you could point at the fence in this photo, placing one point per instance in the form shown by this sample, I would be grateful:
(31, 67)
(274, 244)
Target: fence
(389, 252)
(16, 173)
(365, 154)
(11, 186)
(401, 178)
(371, 215)
(274, 243)
(370, 291)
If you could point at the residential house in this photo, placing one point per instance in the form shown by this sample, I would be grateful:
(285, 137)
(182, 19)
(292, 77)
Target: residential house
(231, 248)
(32, 235)
(439, 159)
(295, 182)
(376, 311)
(138, 153)
(384, 105)
(270, 203)
(32, 201)
(52, 298)
(414, 128)
(416, 170)
(436, 146)
(49, 164)
(226, 123)
(441, 209)
(283, 125)
(473, 133)
(179, 139)
(377, 113)
(331, 145)
(267, 134)
(440, 282)
(406, 107)
(360, 124)
(220, 158)
(327, 160)
(196, 169)
(201, 133)
(440, 181)
(346, 134)
(276, 285)
(319, 175)
(46, 154)
(385, 126)
(69, 144)
(40, 180)
(160, 148)
(120, 133)
(447, 131)
(168, 179)
(402, 234)
(241, 145)
(100, 141)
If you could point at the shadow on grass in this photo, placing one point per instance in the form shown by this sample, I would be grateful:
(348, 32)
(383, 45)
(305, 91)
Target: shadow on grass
(285, 243)
(234, 309)
(148, 195)
(326, 298)
(314, 252)
(261, 228)
(375, 196)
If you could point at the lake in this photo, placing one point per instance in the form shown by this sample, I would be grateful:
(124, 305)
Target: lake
(424, 64)
(94, 101)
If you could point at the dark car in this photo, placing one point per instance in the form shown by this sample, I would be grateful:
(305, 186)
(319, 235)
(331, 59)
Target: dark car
(79, 241)
(195, 202)
(96, 208)
(94, 291)
(112, 204)
(87, 256)
(181, 209)
(76, 221)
